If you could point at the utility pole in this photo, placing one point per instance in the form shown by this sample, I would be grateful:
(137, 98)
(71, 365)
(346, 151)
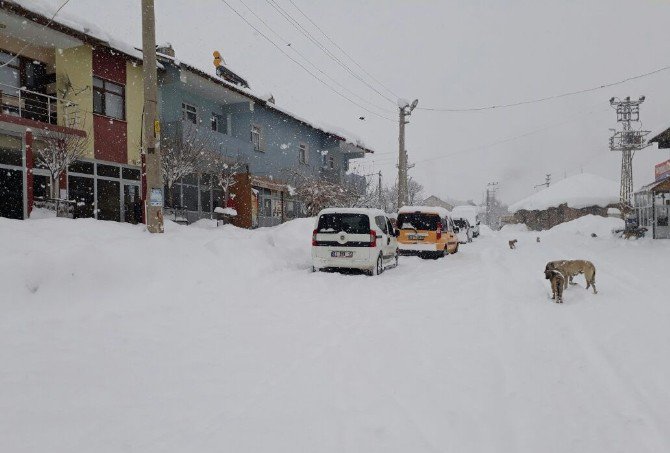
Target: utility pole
(490, 196)
(405, 110)
(627, 141)
(546, 183)
(153, 207)
(379, 192)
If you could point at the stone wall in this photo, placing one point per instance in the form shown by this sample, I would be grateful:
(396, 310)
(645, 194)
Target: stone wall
(548, 218)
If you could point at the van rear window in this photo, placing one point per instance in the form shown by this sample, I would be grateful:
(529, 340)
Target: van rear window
(349, 223)
(418, 221)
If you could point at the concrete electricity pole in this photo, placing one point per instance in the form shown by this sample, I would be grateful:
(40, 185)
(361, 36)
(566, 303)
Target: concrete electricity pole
(405, 110)
(379, 192)
(151, 128)
(490, 196)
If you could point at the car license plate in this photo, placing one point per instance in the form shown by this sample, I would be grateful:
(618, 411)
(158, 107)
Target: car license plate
(341, 254)
(416, 237)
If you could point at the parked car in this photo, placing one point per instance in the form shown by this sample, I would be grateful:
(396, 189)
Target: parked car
(471, 214)
(465, 230)
(354, 239)
(428, 232)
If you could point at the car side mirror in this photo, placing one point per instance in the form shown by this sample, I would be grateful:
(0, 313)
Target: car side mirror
(456, 229)
(396, 232)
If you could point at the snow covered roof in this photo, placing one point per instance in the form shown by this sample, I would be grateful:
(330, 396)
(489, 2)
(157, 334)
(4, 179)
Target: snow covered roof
(81, 28)
(577, 191)
(71, 24)
(369, 211)
(424, 209)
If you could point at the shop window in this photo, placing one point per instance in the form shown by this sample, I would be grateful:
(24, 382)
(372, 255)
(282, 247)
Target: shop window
(109, 200)
(190, 194)
(110, 171)
(41, 187)
(131, 174)
(81, 167)
(81, 191)
(205, 200)
(11, 193)
(109, 98)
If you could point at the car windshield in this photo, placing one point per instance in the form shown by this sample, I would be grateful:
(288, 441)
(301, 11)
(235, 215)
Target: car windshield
(460, 223)
(349, 223)
(418, 221)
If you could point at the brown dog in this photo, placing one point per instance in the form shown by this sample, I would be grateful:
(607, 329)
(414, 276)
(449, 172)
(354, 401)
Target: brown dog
(572, 268)
(557, 280)
(512, 244)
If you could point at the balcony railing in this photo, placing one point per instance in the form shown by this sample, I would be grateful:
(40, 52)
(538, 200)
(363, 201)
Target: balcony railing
(36, 106)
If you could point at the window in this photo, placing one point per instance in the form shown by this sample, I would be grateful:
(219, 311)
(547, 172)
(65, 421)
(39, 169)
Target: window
(381, 223)
(349, 223)
(219, 123)
(109, 98)
(189, 113)
(256, 137)
(303, 152)
(418, 221)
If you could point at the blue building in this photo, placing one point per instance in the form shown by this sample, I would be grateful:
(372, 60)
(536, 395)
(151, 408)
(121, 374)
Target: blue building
(272, 144)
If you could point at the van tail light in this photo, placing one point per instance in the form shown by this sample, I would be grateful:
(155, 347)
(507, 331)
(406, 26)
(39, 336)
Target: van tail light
(373, 238)
(314, 238)
(439, 231)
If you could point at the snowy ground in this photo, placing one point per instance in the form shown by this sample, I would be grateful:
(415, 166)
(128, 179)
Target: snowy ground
(210, 340)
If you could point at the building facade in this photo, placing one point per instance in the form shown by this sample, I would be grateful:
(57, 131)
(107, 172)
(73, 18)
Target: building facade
(58, 80)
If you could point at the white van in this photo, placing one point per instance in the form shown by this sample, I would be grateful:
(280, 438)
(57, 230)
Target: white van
(354, 238)
(471, 214)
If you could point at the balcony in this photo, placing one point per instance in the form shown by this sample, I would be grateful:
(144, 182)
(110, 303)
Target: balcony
(31, 105)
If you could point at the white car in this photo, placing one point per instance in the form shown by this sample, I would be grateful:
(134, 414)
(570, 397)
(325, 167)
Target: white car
(464, 230)
(471, 214)
(354, 238)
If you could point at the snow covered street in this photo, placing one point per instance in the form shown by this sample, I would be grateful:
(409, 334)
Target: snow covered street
(221, 339)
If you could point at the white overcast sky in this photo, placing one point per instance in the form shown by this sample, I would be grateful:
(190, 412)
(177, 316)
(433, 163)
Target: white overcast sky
(450, 53)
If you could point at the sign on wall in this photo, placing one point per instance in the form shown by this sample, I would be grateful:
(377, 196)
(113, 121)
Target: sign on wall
(662, 170)
(156, 198)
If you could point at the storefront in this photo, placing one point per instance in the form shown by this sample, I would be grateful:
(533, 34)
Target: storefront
(12, 176)
(652, 205)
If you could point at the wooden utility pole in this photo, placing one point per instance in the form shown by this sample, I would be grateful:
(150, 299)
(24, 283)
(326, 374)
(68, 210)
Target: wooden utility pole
(153, 203)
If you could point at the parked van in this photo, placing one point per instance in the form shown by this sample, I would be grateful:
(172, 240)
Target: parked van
(351, 238)
(471, 213)
(426, 231)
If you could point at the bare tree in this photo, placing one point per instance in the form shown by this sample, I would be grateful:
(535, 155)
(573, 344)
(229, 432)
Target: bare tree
(56, 151)
(319, 193)
(223, 168)
(182, 155)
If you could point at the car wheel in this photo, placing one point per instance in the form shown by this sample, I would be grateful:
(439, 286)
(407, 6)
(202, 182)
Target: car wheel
(456, 249)
(379, 267)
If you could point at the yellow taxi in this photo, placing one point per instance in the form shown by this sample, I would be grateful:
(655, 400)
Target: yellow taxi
(428, 232)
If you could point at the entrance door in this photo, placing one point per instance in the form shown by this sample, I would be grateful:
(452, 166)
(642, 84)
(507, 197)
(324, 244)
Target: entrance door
(11, 193)
(662, 229)
(81, 190)
(132, 205)
(109, 200)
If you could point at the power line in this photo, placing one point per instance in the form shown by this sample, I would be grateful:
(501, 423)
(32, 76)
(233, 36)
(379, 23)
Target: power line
(31, 42)
(505, 140)
(304, 57)
(342, 50)
(324, 49)
(547, 98)
(300, 64)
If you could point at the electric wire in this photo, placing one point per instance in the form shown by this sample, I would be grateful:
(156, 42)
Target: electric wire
(546, 98)
(300, 64)
(342, 50)
(298, 26)
(304, 57)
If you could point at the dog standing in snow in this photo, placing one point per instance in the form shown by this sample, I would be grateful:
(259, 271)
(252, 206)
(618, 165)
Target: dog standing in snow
(512, 244)
(557, 280)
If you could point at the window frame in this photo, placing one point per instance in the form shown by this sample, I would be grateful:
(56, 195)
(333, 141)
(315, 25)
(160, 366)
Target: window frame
(303, 153)
(221, 123)
(187, 109)
(256, 131)
(102, 91)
